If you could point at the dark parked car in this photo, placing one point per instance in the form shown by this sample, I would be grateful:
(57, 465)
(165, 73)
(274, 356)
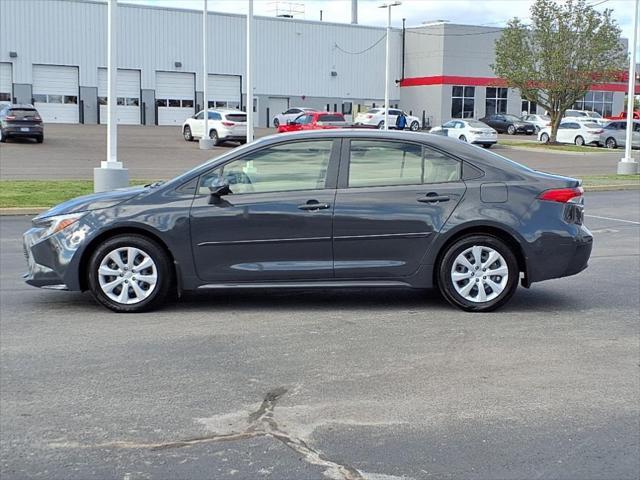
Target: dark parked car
(20, 121)
(509, 123)
(325, 208)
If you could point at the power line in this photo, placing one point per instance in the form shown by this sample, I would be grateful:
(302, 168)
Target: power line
(362, 51)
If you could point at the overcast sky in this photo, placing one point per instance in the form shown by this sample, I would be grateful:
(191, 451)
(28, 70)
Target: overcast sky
(474, 12)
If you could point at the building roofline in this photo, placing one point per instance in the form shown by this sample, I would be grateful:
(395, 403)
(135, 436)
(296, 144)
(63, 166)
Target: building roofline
(124, 3)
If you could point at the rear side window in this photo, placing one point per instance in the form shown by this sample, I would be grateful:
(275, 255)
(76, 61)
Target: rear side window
(236, 117)
(330, 118)
(379, 163)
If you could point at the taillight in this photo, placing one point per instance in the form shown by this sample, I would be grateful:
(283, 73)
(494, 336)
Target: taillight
(475, 131)
(561, 195)
(10, 117)
(596, 131)
(228, 124)
(37, 118)
(369, 116)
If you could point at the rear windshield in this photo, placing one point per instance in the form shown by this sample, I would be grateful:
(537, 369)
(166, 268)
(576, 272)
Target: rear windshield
(476, 123)
(236, 117)
(23, 112)
(574, 113)
(373, 110)
(331, 118)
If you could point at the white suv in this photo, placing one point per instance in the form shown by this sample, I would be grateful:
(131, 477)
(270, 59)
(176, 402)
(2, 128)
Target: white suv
(375, 117)
(223, 125)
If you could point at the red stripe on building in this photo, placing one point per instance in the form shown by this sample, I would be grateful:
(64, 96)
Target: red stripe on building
(495, 82)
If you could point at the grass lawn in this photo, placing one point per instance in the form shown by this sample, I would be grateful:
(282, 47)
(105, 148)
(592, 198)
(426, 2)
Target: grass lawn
(44, 193)
(546, 146)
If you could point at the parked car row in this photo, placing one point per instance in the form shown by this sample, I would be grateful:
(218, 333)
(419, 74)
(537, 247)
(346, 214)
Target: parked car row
(611, 135)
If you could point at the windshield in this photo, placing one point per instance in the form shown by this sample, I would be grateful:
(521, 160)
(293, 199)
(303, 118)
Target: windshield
(373, 110)
(512, 118)
(594, 115)
(574, 113)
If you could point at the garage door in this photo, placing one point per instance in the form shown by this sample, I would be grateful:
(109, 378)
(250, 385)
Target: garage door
(223, 91)
(127, 93)
(55, 93)
(175, 93)
(6, 83)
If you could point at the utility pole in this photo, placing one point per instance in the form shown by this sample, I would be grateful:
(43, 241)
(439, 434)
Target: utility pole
(388, 6)
(205, 142)
(628, 166)
(249, 81)
(110, 175)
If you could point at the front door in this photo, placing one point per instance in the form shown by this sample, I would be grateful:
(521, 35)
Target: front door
(393, 199)
(197, 125)
(276, 224)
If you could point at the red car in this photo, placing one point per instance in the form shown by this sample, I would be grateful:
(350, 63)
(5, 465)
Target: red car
(623, 116)
(314, 121)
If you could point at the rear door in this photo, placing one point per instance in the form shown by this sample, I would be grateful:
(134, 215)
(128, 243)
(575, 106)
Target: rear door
(276, 224)
(393, 198)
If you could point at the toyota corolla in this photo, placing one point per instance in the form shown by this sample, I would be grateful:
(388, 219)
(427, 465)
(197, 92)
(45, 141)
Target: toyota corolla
(320, 209)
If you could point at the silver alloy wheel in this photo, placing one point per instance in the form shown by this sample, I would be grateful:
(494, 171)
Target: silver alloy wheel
(127, 275)
(479, 274)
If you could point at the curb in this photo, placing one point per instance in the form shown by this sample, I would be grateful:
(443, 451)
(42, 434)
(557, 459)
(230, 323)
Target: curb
(5, 212)
(556, 152)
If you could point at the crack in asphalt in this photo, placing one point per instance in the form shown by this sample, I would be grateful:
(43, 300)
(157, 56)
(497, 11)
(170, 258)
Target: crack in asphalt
(261, 424)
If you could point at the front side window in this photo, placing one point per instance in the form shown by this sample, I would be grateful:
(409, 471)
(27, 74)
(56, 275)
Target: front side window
(462, 102)
(375, 163)
(290, 167)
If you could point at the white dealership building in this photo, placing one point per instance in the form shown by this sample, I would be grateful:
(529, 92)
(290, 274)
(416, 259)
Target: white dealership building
(53, 53)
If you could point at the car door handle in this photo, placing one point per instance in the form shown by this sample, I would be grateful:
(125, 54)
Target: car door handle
(313, 205)
(433, 198)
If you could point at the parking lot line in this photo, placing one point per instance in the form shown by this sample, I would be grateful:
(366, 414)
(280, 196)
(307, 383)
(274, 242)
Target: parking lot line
(613, 219)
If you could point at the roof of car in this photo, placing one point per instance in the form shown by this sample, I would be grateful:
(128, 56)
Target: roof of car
(20, 105)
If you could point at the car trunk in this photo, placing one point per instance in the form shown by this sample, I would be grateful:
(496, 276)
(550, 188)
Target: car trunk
(23, 117)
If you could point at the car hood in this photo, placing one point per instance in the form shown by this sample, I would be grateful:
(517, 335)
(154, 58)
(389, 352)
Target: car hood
(94, 201)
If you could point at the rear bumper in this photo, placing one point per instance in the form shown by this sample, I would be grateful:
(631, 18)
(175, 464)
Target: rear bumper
(16, 131)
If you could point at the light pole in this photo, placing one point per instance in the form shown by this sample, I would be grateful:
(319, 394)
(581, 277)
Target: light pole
(110, 175)
(205, 142)
(388, 6)
(249, 82)
(628, 166)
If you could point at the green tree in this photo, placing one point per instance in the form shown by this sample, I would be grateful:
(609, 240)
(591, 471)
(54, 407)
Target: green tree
(563, 51)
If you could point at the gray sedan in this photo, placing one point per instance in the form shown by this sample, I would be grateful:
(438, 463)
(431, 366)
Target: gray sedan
(319, 209)
(614, 134)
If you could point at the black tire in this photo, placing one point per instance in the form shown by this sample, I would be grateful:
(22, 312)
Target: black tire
(611, 143)
(511, 130)
(415, 126)
(445, 282)
(213, 135)
(40, 139)
(579, 141)
(165, 274)
(186, 133)
(276, 122)
(544, 138)
(537, 129)
(242, 142)
(486, 145)
(381, 125)
(462, 138)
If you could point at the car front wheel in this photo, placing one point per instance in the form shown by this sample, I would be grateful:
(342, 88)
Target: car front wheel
(462, 138)
(415, 126)
(511, 130)
(381, 125)
(579, 141)
(188, 136)
(611, 143)
(276, 122)
(213, 135)
(478, 273)
(544, 138)
(129, 274)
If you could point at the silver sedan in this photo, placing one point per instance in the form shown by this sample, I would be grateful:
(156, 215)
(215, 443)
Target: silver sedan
(614, 134)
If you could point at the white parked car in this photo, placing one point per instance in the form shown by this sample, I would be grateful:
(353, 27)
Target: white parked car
(290, 115)
(471, 131)
(223, 125)
(539, 121)
(375, 117)
(573, 132)
(584, 116)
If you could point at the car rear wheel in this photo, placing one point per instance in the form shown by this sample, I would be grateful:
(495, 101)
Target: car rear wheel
(544, 138)
(415, 126)
(381, 125)
(486, 145)
(478, 273)
(129, 273)
(213, 135)
(611, 143)
(40, 139)
(188, 136)
(276, 122)
(579, 140)
(463, 138)
(511, 130)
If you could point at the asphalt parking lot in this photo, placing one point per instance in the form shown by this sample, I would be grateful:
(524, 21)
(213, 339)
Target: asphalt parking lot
(158, 153)
(382, 385)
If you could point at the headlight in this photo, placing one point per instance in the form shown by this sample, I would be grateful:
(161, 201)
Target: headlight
(55, 224)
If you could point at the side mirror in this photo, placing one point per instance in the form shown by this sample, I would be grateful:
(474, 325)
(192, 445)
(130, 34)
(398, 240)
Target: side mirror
(220, 190)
